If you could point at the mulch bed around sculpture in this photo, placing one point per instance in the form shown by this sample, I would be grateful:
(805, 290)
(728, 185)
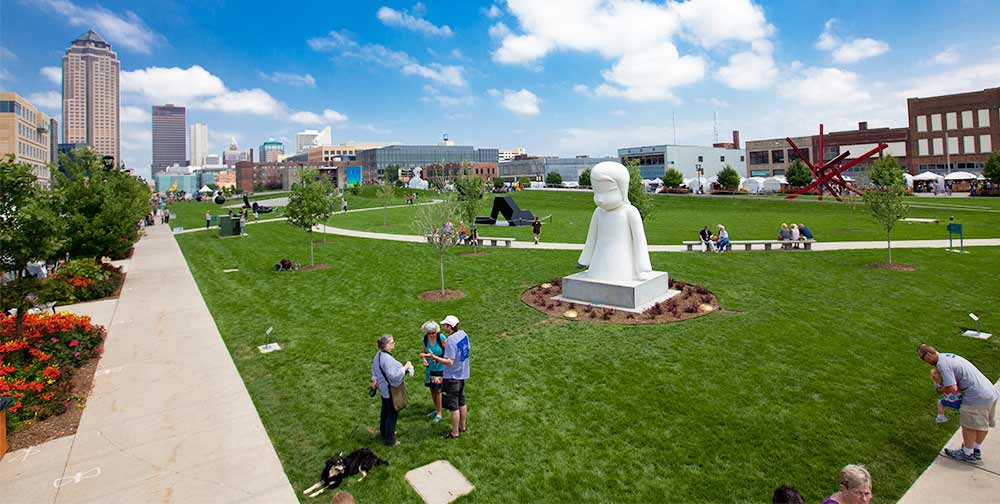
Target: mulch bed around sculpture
(693, 301)
(57, 426)
(437, 295)
(893, 266)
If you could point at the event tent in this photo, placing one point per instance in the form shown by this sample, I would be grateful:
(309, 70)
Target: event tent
(908, 179)
(773, 184)
(204, 189)
(752, 184)
(960, 175)
(928, 175)
(697, 183)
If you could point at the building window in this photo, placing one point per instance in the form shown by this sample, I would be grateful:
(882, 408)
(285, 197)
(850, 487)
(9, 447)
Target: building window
(984, 118)
(792, 155)
(778, 156)
(760, 173)
(938, 144)
(985, 144)
(936, 122)
(921, 123)
(969, 145)
(922, 149)
(722, 159)
(758, 157)
(953, 145)
(701, 159)
(951, 120)
(967, 119)
(743, 159)
(779, 172)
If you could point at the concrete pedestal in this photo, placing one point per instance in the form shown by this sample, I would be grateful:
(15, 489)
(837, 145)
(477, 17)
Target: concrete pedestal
(633, 296)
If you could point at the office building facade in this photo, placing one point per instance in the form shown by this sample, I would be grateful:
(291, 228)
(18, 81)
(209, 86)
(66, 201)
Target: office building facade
(771, 157)
(198, 142)
(53, 141)
(535, 167)
(508, 154)
(25, 132)
(234, 155)
(408, 157)
(91, 95)
(960, 130)
(688, 159)
(271, 151)
(169, 130)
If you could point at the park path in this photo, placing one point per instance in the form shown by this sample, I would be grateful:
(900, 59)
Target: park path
(169, 418)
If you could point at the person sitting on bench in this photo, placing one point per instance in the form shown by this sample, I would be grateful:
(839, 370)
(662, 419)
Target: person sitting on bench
(706, 238)
(722, 239)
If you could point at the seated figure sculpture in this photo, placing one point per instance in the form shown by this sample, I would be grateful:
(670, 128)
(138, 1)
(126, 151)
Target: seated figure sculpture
(616, 241)
(416, 182)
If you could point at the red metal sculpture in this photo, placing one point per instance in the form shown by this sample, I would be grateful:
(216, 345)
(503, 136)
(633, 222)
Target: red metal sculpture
(827, 175)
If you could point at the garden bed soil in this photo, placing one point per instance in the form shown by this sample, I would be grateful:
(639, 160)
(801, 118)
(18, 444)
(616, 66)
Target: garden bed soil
(320, 266)
(437, 295)
(58, 426)
(893, 266)
(693, 301)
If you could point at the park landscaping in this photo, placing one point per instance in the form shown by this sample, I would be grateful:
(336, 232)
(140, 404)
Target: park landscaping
(809, 365)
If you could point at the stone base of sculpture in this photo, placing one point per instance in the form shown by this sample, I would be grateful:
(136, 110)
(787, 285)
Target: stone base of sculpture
(634, 296)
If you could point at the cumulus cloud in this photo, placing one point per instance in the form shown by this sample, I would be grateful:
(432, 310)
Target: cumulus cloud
(960, 79)
(50, 100)
(581, 89)
(647, 64)
(949, 56)
(52, 74)
(328, 116)
(130, 114)
(128, 30)
(432, 95)
(493, 12)
(521, 102)
(825, 87)
(851, 50)
(289, 78)
(412, 21)
(345, 46)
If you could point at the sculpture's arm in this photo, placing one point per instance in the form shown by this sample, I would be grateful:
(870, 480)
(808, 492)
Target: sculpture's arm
(588, 247)
(640, 251)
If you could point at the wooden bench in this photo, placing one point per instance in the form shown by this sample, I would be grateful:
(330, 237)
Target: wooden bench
(748, 244)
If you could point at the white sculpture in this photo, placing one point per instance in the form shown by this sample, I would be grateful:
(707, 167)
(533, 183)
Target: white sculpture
(416, 182)
(616, 248)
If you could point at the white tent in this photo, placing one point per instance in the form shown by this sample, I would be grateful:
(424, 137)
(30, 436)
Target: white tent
(960, 175)
(686, 182)
(773, 184)
(980, 177)
(847, 179)
(657, 180)
(753, 184)
(928, 175)
(697, 183)
(908, 179)
(204, 189)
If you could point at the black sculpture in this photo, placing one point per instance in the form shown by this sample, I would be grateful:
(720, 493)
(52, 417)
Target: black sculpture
(256, 207)
(219, 198)
(504, 205)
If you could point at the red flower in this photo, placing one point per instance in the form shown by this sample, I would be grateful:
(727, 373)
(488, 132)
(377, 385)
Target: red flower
(73, 343)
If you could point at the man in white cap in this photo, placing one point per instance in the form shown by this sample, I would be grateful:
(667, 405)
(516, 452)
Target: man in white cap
(456, 371)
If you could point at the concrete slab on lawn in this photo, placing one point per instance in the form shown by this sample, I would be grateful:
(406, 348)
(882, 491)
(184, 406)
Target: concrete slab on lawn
(439, 482)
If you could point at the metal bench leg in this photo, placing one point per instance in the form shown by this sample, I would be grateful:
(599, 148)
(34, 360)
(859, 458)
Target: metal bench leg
(747, 246)
(767, 246)
(807, 246)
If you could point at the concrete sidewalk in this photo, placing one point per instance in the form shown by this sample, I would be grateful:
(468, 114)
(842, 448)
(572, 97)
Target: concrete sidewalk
(947, 480)
(169, 418)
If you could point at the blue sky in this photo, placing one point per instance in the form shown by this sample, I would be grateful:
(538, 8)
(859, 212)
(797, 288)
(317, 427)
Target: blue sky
(556, 77)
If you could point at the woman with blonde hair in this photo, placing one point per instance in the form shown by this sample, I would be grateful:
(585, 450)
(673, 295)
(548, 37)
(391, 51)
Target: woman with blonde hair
(794, 229)
(855, 486)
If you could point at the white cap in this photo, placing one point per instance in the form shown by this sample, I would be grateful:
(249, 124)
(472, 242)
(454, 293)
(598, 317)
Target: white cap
(450, 320)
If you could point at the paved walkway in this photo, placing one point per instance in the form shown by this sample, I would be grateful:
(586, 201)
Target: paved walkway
(169, 419)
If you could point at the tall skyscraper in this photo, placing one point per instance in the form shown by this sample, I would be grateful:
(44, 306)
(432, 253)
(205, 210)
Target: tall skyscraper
(199, 144)
(234, 155)
(91, 96)
(169, 128)
(271, 151)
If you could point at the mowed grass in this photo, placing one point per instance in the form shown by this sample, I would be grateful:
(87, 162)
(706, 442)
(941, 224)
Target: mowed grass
(814, 368)
(679, 218)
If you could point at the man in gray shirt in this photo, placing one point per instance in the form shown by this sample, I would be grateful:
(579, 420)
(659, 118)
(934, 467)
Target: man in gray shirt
(979, 400)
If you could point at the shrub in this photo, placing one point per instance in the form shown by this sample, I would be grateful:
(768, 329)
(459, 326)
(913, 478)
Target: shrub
(553, 178)
(36, 368)
(82, 280)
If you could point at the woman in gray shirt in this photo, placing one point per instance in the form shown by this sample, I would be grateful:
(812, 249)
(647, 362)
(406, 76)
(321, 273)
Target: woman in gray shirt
(386, 371)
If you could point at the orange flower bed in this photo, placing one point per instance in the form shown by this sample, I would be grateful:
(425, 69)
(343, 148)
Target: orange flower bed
(36, 368)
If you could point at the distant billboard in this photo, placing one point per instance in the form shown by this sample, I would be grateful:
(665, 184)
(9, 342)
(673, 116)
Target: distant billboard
(353, 175)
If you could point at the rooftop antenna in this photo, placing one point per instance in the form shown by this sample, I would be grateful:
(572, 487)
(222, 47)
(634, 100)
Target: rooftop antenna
(715, 126)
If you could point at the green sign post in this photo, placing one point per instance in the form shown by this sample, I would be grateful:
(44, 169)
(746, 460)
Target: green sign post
(955, 228)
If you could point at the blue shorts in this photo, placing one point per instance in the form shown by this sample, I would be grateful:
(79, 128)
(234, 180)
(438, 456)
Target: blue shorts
(951, 404)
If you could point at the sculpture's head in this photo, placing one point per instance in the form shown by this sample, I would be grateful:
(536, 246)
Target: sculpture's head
(610, 182)
(417, 171)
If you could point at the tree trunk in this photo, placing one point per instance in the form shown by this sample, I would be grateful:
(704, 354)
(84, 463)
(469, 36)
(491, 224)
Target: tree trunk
(311, 261)
(441, 269)
(888, 241)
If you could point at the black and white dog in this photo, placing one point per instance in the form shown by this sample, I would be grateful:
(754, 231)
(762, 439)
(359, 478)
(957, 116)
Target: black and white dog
(338, 468)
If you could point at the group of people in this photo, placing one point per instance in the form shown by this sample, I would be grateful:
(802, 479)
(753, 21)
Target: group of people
(855, 488)
(794, 233)
(717, 243)
(161, 214)
(445, 356)
(465, 236)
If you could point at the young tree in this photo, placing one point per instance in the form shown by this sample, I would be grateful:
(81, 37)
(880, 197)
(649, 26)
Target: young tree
(385, 193)
(992, 169)
(885, 172)
(798, 174)
(333, 196)
(585, 178)
(497, 183)
(392, 174)
(673, 178)
(428, 222)
(30, 230)
(637, 194)
(553, 178)
(729, 179)
(886, 206)
(524, 181)
(308, 205)
(470, 198)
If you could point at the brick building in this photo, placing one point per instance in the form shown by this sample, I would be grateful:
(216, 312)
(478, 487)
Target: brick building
(448, 172)
(960, 129)
(860, 141)
(256, 176)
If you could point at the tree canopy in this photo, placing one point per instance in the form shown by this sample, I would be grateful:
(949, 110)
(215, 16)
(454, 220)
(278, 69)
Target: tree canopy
(886, 172)
(673, 178)
(798, 174)
(553, 178)
(729, 179)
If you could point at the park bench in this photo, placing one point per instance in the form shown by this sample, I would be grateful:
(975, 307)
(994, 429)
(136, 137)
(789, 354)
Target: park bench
(748, 244)
(486, 242)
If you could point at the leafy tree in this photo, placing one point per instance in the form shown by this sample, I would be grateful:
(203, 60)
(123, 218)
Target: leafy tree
(729, 179)
(585, 178)
(385, 193)
(30, 230)
(497, 183)
(798, 174)
(470, 198)
(673, 178)
(392, 174)
(885, 172)
(553, 178)
(637, 194)
(524, 181)
(101, 207)
(886, 206)
(308, 205)
(428, 222)
(992, 169)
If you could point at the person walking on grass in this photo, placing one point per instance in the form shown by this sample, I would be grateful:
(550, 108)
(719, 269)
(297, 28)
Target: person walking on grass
(536, 229)
(208, 219)
(386, 372)
(979, 400)
(343, 205)
(433, 343)
(456, 372)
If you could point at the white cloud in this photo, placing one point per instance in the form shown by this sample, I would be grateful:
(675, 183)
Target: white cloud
(449, 75)
(129, 31)
(289, 78)
(333, 116)
(52, 74)
(431, 94)
(249, 101)
(129, 114)
(958, 80)
(6, 55)
(851, 50)
(521, 102)
(49, 100)
(949, 56)
(312, 118)
(172, 85)
(647, 63)
(493, 12)
(825, 87)
(717, 103)
(581, 89)
(413, 22)
(456, 54)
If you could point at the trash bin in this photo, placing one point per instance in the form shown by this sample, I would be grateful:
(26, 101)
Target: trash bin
(5, 402)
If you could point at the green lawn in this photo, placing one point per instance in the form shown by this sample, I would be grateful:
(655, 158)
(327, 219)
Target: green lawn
(816, 368)
(679, 218)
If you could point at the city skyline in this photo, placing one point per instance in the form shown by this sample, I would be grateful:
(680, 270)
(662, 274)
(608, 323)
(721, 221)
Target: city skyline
(558, 80)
